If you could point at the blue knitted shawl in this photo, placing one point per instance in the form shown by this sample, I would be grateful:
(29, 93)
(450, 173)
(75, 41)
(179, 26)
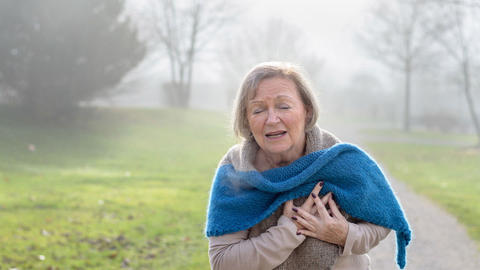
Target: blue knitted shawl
(241, 199)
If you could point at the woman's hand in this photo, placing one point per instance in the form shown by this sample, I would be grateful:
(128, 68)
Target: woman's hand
(329, 226)
(307, 206)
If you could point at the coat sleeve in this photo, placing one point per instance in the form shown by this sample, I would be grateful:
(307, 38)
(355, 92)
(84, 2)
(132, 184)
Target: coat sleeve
(362, 237)
(268, 250)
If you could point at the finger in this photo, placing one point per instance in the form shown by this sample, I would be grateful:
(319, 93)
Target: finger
(326, 198)
(299, 226)
(322, 211)
(303, 222)
(289, 204)
(305, 215)
(306, 233)
(308, 204)
(287, 208)
(334, 208)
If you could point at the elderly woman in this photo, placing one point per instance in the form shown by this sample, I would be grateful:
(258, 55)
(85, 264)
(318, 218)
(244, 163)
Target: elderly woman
(269, 206)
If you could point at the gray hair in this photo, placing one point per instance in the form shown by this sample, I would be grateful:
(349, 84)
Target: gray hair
(250, 84)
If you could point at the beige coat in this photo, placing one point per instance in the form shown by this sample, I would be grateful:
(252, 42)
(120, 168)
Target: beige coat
(272, 242)
(268, 250)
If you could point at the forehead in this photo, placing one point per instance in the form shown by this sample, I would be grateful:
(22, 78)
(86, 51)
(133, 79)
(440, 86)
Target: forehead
(275, 87)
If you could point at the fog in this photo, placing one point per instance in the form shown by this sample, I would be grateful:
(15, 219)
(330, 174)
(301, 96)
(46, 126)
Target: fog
(374, 59)
(326, 28)
(329, 32)
(114, 114)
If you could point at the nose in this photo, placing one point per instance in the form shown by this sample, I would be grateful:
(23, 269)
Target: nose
(272, 117)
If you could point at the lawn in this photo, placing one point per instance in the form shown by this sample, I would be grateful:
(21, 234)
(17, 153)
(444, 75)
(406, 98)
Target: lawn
(429, 136)
(129, 188)
(448, 175)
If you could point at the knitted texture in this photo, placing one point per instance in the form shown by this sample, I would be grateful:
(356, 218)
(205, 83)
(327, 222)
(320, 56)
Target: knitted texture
(241, 199)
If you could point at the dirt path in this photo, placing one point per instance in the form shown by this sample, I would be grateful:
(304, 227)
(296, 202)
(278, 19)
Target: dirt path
(439, 241)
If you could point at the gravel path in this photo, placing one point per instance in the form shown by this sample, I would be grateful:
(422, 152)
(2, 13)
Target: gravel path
(439, 241)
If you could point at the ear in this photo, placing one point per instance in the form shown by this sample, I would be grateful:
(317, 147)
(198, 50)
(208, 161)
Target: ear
(309, 114)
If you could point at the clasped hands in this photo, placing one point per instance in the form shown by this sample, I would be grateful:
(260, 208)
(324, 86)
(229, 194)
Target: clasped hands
(314, 220)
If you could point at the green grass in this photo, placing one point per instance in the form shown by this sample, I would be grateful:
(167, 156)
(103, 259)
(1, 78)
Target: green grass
(449, 175)
(129, 187)
(425, 135)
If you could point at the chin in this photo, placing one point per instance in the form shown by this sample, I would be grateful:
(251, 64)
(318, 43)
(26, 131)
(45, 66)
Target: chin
(280, 149)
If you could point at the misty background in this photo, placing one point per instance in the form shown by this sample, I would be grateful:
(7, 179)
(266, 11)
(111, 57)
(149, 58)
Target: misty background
(114, 115)
(412, 64)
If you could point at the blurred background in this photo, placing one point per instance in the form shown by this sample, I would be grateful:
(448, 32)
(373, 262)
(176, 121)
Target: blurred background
(114, 114)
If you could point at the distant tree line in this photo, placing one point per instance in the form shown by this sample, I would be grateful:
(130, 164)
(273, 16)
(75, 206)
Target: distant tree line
(415, 37)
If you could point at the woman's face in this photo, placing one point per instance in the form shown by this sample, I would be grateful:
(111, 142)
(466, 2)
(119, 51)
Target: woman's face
(277, 116)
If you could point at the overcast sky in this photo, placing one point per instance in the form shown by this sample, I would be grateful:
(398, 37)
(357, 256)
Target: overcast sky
(329, 28)
(329, 25)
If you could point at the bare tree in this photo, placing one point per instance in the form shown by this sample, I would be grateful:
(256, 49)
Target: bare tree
(455, 26)
(182, 29)
(394, 36)
(275, 41)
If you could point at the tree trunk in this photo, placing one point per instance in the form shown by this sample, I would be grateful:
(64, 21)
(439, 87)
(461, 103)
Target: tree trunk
(184, 96)
(191, 52)
(406, 116)
(470, 102)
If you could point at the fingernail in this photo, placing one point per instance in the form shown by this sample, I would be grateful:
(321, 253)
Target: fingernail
(295, 209)
(321, 183)
(314, 196)
(298, 233)
(294, 218)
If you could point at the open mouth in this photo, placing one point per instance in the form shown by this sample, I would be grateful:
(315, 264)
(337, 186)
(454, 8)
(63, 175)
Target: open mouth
(275, 134)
